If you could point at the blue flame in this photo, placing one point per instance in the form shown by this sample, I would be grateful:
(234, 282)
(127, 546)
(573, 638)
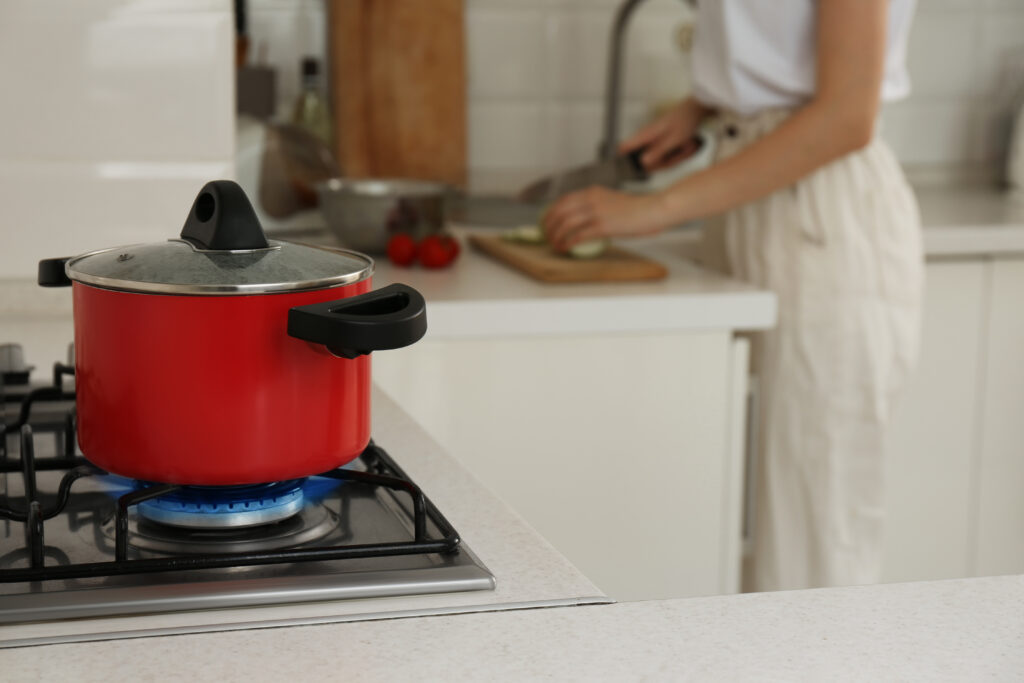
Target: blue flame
(315, 489)
(115, 486)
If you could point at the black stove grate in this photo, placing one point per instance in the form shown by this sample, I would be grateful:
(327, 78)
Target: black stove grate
(381, 471)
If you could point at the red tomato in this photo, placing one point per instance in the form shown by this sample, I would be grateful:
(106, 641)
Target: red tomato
(438, 251)
(402, 249)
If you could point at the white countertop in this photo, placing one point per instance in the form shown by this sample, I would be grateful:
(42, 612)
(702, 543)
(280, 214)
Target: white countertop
(962, 630)
(479, 298)
(527, 570)
(971, 221)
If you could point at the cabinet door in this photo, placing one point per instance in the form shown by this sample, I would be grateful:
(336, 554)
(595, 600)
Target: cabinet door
(933, 438)
(616, 448)
(1000, 502)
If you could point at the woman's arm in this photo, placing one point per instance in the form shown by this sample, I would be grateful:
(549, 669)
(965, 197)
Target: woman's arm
(840, 119)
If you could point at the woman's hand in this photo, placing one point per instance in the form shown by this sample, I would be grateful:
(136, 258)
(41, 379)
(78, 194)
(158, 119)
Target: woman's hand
(670, 138)
(598, 212)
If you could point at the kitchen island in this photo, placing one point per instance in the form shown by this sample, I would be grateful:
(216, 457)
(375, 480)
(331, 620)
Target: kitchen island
(962, 630)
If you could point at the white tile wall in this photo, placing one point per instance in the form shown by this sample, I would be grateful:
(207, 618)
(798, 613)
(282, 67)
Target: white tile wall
(932, 132)
(966, 62)
(510, 134)
(509, 54)
(281, 33)
(1001, 64)
(942, 56)
(115, 112)
(99, 86)
(537, 72)
(966, 59)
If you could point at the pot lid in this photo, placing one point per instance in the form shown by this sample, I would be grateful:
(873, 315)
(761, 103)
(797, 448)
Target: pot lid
(221, 250)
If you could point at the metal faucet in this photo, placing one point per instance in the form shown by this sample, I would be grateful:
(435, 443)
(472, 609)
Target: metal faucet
(608, 148)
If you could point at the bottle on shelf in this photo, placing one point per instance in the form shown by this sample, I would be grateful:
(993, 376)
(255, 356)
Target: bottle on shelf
(310, 111)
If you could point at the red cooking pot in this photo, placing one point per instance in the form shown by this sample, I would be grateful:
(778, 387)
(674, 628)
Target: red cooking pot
(221, 358)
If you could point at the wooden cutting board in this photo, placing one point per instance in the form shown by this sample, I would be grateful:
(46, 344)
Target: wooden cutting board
(542, 263)
(398, 83)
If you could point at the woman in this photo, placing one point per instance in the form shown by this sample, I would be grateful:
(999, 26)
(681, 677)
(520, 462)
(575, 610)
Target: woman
(817, 209)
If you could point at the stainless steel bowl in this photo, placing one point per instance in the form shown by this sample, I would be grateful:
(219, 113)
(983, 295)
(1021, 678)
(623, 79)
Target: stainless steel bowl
(364, 214)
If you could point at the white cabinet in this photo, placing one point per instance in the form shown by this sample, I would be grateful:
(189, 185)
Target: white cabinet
(624, 451)
(1000, 467)
(932, 444)
(956, 452)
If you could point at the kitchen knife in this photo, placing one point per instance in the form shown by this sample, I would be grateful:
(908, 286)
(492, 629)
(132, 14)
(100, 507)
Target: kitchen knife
(606, 173)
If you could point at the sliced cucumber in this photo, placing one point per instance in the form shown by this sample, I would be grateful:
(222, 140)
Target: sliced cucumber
(534, 234)
(527, 234)
(591, 249)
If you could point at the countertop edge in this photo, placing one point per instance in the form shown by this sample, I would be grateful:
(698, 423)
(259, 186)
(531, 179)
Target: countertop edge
(287, 622)
(697, 312)
(960, 629)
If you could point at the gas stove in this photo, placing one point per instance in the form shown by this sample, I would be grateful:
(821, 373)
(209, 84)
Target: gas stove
(76, 541)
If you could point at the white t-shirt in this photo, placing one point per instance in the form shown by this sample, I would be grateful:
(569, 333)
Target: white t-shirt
(750, 55)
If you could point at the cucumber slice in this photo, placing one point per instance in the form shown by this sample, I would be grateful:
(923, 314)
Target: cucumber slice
(534, 234)
(527, 234)
(591, 249)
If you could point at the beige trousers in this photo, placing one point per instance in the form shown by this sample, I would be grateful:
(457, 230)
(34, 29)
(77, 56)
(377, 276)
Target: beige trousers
(842, 251)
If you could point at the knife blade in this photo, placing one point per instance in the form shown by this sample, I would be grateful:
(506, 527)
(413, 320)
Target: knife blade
(606, 173)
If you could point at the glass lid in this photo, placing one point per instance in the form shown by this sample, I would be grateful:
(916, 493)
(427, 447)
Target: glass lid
(222, 250)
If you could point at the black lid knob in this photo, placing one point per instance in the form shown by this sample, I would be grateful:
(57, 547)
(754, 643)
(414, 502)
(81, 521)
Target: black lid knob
(222, 218)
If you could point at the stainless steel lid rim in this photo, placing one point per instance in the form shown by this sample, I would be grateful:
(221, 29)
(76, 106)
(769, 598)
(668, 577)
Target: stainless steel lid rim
(121, 284)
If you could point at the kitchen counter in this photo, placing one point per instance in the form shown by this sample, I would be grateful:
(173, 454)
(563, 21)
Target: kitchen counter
(527, 570)
(971, 221)
(481, 298)
(478, 298)
(970, 629)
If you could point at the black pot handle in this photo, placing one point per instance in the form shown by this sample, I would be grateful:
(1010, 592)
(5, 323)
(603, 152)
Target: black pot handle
(52, 273)
(387, 318)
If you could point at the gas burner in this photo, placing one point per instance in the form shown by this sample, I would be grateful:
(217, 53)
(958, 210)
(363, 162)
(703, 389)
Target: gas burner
(225, 507)
(313, 522)
(80, 542)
